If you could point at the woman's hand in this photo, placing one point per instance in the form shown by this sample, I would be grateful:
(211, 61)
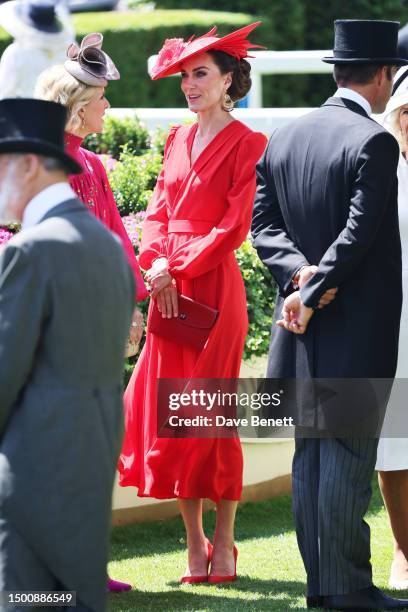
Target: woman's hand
(167, 301)
(158, 276)
(159, 283)
(136, 327)
(135, 333)
(160, 266)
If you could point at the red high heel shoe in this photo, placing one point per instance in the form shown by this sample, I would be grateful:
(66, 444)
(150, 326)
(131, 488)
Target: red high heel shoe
(232, 578)
(199, 579)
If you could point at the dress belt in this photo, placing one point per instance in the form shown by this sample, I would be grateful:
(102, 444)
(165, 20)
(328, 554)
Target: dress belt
(181, 226)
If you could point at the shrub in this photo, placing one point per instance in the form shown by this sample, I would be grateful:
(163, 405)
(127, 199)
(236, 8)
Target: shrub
(116, 134)
(158, 140)
(260, 289)
(133, 180)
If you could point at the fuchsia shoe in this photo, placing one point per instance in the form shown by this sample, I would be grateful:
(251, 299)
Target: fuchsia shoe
(116, 586)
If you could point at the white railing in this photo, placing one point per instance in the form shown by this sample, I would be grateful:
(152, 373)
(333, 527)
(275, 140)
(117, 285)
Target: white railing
(259, 119)
(255, 116)
(277, 62)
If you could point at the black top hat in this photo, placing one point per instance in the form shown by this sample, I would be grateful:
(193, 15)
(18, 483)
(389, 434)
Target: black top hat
(39, 14)
(363, 41)
(35, 126)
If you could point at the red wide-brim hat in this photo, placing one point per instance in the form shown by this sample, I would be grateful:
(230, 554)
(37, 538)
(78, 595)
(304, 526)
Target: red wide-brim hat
(175, 51)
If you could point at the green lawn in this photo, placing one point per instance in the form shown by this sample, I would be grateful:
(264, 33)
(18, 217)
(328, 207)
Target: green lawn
(271, 576)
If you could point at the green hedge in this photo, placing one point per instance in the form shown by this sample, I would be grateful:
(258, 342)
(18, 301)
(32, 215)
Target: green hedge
(300, 24)
(319, 19)
(131, 37)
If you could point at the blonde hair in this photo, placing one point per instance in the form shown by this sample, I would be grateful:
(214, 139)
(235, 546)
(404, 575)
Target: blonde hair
(58, 85)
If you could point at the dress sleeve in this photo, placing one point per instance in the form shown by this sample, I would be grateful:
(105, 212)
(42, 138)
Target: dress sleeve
(154, 235)
(116, 226)
(204, 253)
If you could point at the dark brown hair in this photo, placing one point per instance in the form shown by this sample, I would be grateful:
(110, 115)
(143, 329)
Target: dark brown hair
(241, 69)
(359, 74)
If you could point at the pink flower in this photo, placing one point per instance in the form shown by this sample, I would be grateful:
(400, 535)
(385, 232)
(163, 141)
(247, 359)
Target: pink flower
(108, 161)
(111, 163)
(133, 227)
(169, 53)
(5, 235)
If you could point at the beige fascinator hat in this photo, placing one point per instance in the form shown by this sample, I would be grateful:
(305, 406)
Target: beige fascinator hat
(89, 64)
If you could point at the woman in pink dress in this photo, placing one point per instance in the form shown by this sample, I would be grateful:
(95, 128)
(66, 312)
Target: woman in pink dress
(199, 214)
(80, 85)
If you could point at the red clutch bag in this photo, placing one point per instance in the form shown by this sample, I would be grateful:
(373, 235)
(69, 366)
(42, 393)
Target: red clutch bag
(192, 326)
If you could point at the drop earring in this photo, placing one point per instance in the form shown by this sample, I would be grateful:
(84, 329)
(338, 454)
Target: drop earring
(228, 103)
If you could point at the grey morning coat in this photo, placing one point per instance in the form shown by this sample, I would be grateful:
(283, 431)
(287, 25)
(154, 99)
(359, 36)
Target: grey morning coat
(66, 297)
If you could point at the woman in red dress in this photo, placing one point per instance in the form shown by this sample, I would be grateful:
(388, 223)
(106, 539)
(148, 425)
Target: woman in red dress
(80, 85)
(199, 214)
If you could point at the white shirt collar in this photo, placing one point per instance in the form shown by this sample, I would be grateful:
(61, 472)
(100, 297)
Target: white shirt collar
(48, 198)
(350, 94)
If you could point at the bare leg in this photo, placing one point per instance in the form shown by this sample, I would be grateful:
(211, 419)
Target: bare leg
(222, 559)
(192, 513)
(394, 489)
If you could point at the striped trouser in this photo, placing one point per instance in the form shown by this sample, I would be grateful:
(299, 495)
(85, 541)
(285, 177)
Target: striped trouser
(331, 493)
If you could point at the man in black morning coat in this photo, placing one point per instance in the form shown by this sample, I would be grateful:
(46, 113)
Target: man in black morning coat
(326, 218)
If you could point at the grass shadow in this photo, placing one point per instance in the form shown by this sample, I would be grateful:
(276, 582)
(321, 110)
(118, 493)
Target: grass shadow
(264, 519)
(271, 595)
(269, 518)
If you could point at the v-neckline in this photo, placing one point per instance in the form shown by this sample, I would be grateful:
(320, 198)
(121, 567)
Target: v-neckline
(192, 135)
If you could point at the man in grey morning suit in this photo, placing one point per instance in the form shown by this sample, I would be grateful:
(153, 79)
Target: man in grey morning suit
(66, 298)
(326, 219)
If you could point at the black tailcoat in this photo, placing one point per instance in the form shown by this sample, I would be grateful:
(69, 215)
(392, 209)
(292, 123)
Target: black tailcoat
(327, 195)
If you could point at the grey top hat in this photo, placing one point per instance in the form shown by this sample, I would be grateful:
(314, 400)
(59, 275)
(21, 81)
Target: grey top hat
(363, 41)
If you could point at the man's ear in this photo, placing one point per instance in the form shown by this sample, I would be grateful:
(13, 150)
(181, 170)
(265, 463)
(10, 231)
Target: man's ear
(382, 75)
(31, 165)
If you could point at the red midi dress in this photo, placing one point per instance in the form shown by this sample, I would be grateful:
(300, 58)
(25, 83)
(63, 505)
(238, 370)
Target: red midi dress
(93, 189)
(199, 214)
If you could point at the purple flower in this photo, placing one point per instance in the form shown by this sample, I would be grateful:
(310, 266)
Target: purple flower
(5, 235)
(108, 161)
(133, 227)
